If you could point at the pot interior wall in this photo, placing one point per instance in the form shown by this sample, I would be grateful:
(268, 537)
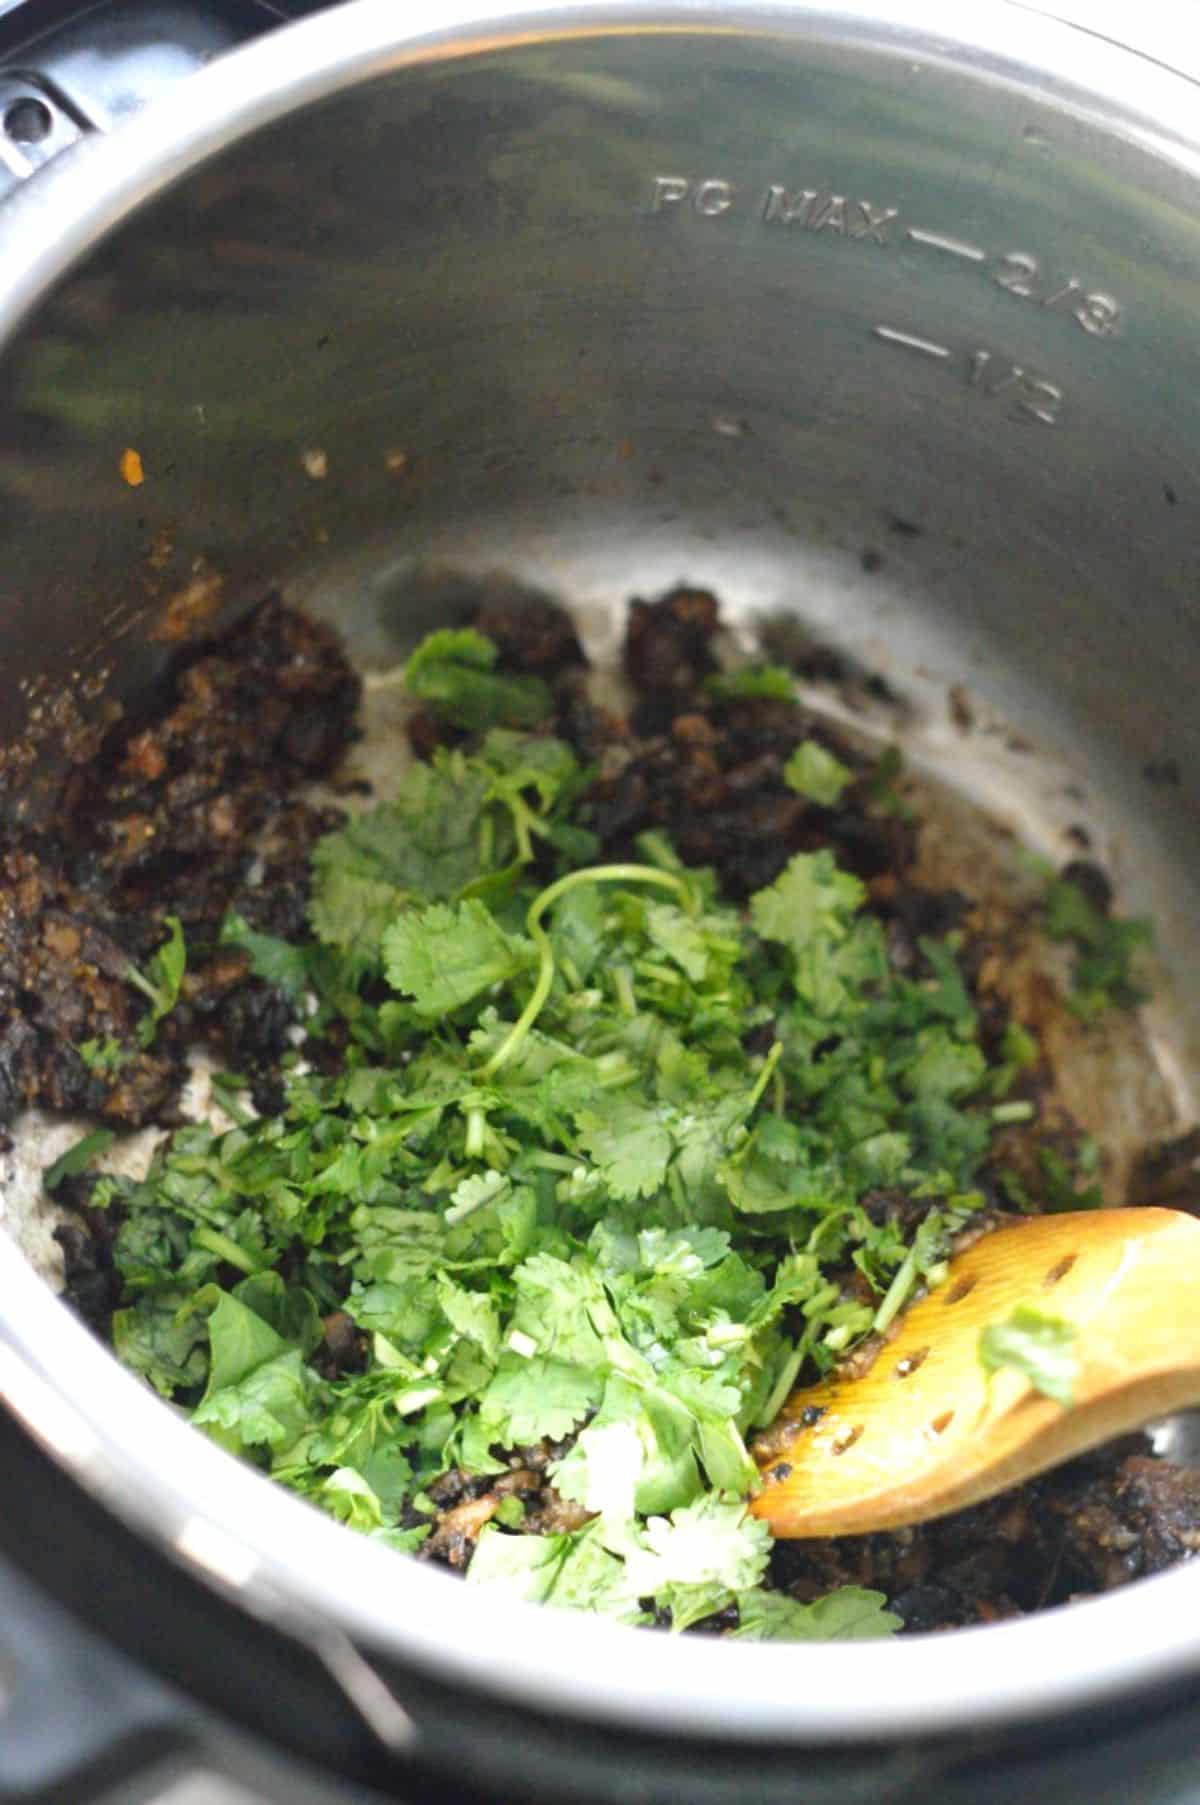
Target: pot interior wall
(603, 312)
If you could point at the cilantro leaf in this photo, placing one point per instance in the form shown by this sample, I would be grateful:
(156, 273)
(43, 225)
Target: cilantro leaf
(1063, 1188)
(163, 1341)
(350, 910)
(288, 1309)
(520, 1566)
(591, 1578)
(239, 1338)
(276, 961)
(773, 681)
(529, 1398)
(259, 1392)
(562, 1306)
(630, 1143)
(103, 1056)
(471, 1313)
(680, 938)
(851, 1614)
(1036, 1345)
(604, 1469)
(453, 672)
(667, 1432)
(162, 980)
(568, 1571)
(1104, 949)
(78, 1157)
(446, 956)
(813, 772)
(810, 900)
(425, 843)
(347, 1495)
(942, 1067)
(269, 1406)
(694, 1563)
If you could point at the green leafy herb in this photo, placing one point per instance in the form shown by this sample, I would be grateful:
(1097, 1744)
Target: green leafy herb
(1104, 949)
(104, 1057)
(463, 823)
(453, 673)
(851, 1614)
(1071, 1185)
(774, 681)
(161, 982)
(78, 1158)
(697, 1560)
(813, 772)
(585, 1156)
(883, 785)
(1036, 1345)
(276, 961)
(443, 957)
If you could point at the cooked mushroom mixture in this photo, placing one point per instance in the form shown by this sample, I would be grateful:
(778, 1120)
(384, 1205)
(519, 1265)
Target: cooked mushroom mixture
(570, 1104)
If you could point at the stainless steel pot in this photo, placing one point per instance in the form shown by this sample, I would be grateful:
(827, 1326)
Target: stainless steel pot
(638, 291)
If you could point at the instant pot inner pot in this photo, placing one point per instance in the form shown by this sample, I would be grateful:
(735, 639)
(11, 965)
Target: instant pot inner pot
(606, 312)
(852, 333)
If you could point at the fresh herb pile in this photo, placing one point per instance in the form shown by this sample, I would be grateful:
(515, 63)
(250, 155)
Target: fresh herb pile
(578, 1167)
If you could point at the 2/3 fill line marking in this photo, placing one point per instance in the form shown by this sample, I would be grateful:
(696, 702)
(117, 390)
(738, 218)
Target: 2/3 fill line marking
(954, 247)
(891, 335)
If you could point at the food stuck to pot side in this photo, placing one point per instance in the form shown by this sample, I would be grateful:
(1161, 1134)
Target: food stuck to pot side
(533, 1131)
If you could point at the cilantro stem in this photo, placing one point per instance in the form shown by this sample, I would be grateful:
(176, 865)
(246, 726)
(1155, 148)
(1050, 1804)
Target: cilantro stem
(225, 1249)
(665, 974)
(623, 986)
(590, 874)
(476, 1124)
(226, 1088)
(1013, 1112)
(135, 977)
(781, 1390)
(897, 1292)
(545, 1161)
(525, 825)
(765, 1076)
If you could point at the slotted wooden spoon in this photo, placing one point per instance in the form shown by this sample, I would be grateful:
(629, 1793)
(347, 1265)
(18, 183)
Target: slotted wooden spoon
(926, 1431)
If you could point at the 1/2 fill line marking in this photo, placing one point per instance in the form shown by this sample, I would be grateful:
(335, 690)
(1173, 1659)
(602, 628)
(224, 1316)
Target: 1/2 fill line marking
(891, 335)
(954, 247)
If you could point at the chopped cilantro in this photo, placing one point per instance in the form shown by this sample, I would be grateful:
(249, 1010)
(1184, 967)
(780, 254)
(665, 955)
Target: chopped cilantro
(883, 785)
(1070, 1187)
(444, 956)
(1036, 1345)
(276, 961)
(161, 982)
(589, 1157)
(851, 1614)
(103, 1057)
(78, 1158)
(774, 681)
(1104, 949)
(453, 673)
(813, 772)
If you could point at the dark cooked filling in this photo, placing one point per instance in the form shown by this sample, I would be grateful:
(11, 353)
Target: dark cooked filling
(183, 851)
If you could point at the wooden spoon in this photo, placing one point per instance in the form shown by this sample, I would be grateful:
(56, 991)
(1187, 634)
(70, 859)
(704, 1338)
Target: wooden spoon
(926, 1430)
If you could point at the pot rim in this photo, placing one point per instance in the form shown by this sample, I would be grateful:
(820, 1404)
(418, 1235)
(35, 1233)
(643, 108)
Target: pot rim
(280, 1558)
